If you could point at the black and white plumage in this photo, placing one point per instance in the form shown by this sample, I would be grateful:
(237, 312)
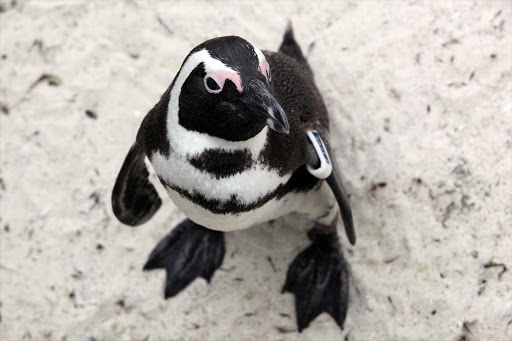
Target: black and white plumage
(239, 138)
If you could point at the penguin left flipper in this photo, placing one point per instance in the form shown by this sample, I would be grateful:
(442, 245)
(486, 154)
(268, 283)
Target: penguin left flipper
(187, 252)
(318, 277)
(323, 165)
(134, 199)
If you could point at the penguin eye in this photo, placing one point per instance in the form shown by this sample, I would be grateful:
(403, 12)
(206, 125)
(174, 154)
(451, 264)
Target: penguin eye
(212, 85)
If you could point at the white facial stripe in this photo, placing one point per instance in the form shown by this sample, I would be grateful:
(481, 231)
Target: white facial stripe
(248, 186)
(261, 56)
(187, 142)
(262, 61)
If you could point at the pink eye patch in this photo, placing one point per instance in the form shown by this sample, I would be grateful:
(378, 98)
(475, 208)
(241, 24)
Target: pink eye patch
(265, 69)
(221, 76)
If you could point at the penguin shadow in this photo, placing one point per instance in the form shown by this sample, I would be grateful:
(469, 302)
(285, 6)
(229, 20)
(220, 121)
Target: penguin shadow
(274, 243)
(260, 256)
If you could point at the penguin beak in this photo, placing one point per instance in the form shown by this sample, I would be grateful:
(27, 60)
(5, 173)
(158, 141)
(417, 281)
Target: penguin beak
(259, 102)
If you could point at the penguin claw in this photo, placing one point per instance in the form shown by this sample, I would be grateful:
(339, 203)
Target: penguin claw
(318, 277)
(187, 252)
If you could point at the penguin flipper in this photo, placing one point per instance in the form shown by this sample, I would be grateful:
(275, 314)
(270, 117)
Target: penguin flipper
(322, 164)
(134, 199)
(318, 277)
(334, 182)
(187, 252)
(291, 48)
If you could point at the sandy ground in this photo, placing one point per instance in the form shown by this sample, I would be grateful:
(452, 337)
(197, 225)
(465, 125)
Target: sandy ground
(420, 97)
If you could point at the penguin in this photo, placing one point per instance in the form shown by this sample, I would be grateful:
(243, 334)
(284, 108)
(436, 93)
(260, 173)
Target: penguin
(241, 137)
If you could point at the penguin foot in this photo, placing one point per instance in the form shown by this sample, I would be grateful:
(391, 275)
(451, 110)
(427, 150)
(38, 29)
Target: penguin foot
(188, 251)
(318, 277)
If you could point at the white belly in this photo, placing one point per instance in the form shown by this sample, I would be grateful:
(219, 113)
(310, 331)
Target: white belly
(272, 209)
(317, 206)
(247, 187)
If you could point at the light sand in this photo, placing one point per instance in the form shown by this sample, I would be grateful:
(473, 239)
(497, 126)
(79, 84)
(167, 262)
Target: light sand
(420, 97)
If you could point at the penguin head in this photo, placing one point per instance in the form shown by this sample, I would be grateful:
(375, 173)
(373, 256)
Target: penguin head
(223, 90)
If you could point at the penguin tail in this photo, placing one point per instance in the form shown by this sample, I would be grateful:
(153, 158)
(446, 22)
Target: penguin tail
(290, 47)
(289, 37)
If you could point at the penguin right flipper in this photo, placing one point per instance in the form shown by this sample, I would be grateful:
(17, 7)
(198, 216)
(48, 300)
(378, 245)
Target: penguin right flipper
(323, 165)
(290, 48)
(338, 190)
(134, 199)
(187, 252)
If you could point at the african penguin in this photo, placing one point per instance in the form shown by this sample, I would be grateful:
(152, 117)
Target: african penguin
(240, 137)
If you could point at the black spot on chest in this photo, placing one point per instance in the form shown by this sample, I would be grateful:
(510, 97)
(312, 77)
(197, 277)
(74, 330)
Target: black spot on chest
(222, 164)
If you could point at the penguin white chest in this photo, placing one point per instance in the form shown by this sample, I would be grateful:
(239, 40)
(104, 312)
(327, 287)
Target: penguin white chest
(219, 195)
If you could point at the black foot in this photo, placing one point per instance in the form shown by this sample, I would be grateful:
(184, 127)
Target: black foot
(189, 251)
(318, 277)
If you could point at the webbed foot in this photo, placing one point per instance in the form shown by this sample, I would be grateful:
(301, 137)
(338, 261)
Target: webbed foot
(318, 277)
(188, 251)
